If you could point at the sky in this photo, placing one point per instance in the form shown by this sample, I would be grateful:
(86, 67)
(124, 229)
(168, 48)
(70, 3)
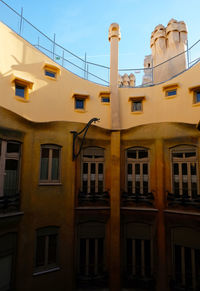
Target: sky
(81, 26)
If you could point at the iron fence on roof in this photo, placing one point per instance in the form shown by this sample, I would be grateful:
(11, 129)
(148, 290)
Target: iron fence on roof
(81, 66)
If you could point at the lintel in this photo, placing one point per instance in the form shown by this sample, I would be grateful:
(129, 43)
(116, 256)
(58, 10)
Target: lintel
(81, 95)
(22, 81)
(52, 68)
(137, 98)
(104, 93)
(194, 88)
(170, 87)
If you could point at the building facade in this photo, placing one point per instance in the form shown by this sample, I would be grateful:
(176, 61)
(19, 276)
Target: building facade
(116, 210)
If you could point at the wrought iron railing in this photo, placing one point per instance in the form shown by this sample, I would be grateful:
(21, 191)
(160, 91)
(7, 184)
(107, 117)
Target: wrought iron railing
(146, 198)
(183, 200)
(94, 198)
(9, 203)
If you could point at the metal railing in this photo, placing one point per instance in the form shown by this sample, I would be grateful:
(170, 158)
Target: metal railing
(80, 66)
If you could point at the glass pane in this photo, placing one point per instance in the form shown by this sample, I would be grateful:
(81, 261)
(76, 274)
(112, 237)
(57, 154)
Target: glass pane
(137, 106)
(50, 73)
(145, 187)
(52, 251)
(55, 165)
(129, 169)
(100, 186)
(143, 154)
(192, 154)
(40, 251)
(171, 92)
(177, 155)
(147, 252)
(93, 168)
(198, 96)
(137, 187)
(19, 90)
(100, 168)
(175, 169)
(91, 256)
(100, 255)
(13, 147)
(85, 168)
(82, 256)
(11, 177)
(92, 186)
(194, 189)
(184, 169)
(44, 169)
(79, 104)
(131, 154)
(178, 262)
(185, 188)
(176, 188)
(129, 255)
(137, 169)
(193, 169)
(138, 256)
(145, 169)
(85, 184)
(0, 147)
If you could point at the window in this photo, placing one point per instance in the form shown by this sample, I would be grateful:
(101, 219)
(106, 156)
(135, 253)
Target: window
(91, 249)
(171, 92)
(46, 256)
(197, 96)
(9, 167)
(137, 177)
(50, 73)
(136, 106)
(92, 170)
(186, 258)
(105, 99)
(138, 251)
(50, 164)
(79, 103)
(22, 88)
(185, 171)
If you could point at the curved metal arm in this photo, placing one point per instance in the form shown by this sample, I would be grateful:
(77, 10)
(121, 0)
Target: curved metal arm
(76, 134)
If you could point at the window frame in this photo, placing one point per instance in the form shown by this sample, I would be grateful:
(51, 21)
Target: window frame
(140, 162)
(8, 156)
(46, 232)
(50, 181)
(189, 160)
(132, 106)
(22, 83)
(96, 161)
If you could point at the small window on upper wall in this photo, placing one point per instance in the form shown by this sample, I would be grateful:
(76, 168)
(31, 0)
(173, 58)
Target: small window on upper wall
(22, 88)
(136, 106)
(170, 92)
(197, 96)
(79, 103)
(51, 71)
(105, 97)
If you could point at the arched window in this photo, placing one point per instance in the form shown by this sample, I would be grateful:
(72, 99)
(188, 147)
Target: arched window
(92, 167)
(137, 170)
(184, 170)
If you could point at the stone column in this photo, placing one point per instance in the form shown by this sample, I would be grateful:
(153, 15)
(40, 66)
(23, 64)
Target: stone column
(114, 37)
(115, 213)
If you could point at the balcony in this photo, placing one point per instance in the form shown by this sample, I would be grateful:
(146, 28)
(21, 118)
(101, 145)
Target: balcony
(137, 198)
(183, 200)
(92, 282)
(95, 198)
(9, 204)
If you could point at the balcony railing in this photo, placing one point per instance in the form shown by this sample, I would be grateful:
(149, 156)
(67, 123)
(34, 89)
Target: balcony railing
(183, 200)
(94, 198)
(92, 281)
(10, 203)
(147, 198)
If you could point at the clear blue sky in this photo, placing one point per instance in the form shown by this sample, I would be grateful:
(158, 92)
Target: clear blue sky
(82, 25)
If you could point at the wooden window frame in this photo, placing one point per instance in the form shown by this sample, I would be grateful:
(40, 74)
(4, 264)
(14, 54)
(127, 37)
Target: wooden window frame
(49, 181)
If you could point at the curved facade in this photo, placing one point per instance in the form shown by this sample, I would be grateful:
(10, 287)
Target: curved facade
(122, 215)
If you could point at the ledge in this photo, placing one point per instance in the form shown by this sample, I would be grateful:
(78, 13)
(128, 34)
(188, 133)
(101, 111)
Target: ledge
(10, 214)
(194, 88)
(137, 98)
(170, 87)
(46, 271)
(139, 208)
(80, 95)
(51, 67)
(182, 212)
(22, 81)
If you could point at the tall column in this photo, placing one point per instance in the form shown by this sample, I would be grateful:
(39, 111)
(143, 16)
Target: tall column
(161, 277)
(114, 37)
(115, 212)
